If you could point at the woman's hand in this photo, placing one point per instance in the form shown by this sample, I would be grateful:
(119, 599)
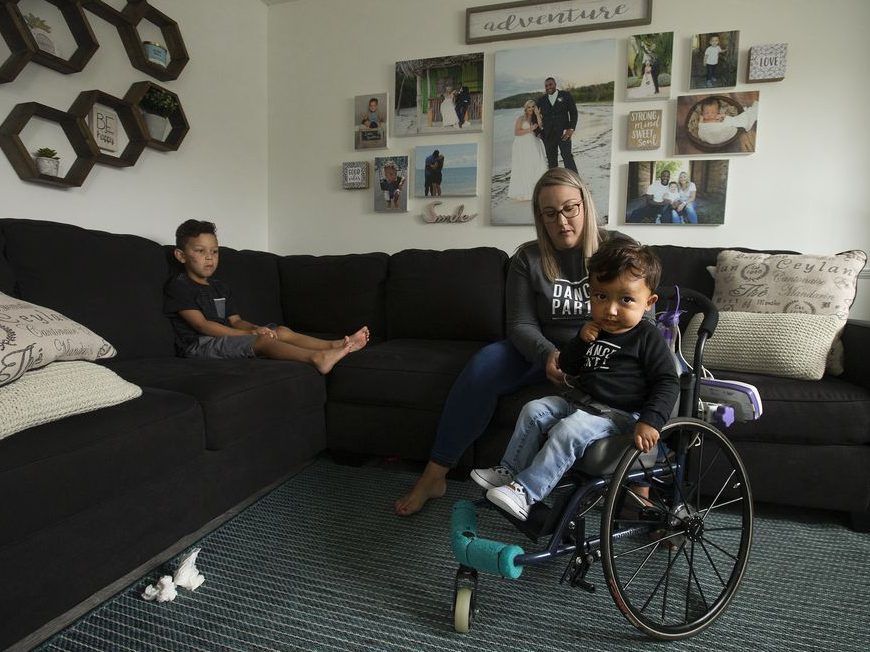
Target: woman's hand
(554, 374)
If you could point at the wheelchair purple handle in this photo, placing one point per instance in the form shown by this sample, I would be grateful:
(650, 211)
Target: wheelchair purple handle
(700, 301)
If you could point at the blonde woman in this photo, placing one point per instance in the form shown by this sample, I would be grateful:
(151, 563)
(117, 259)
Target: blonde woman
(547, 304)
(528, 159)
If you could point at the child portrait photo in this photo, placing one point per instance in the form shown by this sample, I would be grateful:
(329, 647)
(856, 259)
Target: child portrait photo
(438, 95)
(553, 107)
(676, 192)
(648, 70)
(445, 170)
(717, 123)
(391, 184)
(714, 60)
(370, 121)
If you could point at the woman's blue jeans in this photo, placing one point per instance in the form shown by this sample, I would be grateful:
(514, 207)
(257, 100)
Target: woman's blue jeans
(496, 369)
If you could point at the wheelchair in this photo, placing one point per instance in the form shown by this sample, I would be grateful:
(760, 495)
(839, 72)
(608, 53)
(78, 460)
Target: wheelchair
(673, 561)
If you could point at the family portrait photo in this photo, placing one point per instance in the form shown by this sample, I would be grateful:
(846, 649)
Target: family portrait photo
(391, 184)
(370, 121)
(714, 60)
(648, 70)
(445, 170)
(553, 106)
(676, 192)
(717, 123)
(439, 95)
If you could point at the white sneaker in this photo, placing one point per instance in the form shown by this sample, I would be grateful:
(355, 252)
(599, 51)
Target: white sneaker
(496, 476)
(511, 498)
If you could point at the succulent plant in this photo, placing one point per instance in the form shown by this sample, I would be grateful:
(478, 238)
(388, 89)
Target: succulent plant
(35, 22)
(159, 102)
(45, 152)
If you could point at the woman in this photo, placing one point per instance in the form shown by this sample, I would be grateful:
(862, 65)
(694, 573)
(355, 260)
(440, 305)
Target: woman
(647, 87)
(448, 109)
(687, 191)
(542, 314)
(528, 159)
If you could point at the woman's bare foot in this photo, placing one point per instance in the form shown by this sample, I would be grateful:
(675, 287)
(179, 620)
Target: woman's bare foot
(359, 339)
(431, 484)
(326, 359)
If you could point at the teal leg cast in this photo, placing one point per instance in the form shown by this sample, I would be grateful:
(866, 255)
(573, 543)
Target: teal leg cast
(482, 554)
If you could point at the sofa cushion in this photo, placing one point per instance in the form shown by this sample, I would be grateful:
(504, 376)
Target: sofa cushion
(334, 294)
(113, 284)
(7, 277)
(63, 467)
(253, 278)
(59, 390)
(454, 294)
(237, 396)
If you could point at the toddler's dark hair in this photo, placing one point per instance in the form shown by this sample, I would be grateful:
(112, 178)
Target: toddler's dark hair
(710, 101)
(620, 254)
(192, 228)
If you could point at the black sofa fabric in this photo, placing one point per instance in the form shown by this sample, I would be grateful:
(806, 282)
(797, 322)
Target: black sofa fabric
(89, 498)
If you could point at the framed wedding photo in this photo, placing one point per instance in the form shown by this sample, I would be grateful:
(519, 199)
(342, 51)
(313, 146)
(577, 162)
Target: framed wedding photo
(648, 67)
(370, 121)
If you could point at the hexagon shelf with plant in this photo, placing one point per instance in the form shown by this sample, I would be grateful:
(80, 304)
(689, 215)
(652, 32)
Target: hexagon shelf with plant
(153, 100)
(15, 34)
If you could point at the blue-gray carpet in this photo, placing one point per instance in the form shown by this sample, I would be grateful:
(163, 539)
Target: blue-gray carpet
(321, 563)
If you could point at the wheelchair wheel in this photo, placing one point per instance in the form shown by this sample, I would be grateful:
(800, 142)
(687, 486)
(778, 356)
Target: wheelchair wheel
(674, 561)
(463, 609)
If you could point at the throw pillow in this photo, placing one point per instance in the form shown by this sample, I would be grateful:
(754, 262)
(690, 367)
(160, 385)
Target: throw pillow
(60, 390)
(776, 344)
(32, 336)
(789, 283)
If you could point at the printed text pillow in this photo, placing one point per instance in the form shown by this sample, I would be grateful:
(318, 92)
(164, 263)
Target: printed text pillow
(32, 336)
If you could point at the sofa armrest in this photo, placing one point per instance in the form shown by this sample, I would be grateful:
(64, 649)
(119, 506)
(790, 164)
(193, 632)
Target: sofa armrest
(856, 342)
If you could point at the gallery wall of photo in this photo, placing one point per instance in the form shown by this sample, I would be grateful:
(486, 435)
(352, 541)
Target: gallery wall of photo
(681, 180)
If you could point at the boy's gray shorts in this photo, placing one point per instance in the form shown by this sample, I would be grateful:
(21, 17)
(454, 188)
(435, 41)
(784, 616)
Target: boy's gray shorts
(222, 348)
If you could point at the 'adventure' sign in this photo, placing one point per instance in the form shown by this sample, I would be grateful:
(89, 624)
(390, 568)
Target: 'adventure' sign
(524, 19)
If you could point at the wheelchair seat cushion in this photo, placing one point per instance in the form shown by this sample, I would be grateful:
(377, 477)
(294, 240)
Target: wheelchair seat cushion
(603, 455)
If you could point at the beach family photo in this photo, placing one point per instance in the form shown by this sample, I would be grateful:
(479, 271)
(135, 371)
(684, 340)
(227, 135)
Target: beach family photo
(553, 106)
(439, 95)
(648, 66)
(370, 121)
(717, 123)
(714, 60)
(445, 170)
(391, 184)
(676, 192)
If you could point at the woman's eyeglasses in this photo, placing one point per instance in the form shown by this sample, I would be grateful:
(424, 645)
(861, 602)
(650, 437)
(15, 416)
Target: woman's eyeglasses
(569, 211)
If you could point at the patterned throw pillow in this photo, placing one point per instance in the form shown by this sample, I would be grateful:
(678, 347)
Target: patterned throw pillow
(32, 336)
(776, 344)
(790, 283)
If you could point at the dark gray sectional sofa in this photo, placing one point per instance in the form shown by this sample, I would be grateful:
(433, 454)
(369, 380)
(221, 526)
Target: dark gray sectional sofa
(88, 499)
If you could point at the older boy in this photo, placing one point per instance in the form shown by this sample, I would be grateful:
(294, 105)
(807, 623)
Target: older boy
(625, 382)
(207, 324)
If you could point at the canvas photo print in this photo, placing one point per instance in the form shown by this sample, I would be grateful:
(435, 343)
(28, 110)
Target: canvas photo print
(445, 170)
(439, 95)
(648, 74)
(370, 121)
(717, 123)
(676, 192)
(553, 106)
(391, 184)
(714, 60)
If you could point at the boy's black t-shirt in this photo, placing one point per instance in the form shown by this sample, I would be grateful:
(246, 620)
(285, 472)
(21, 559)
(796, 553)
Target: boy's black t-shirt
(632, 371)
(214, 300)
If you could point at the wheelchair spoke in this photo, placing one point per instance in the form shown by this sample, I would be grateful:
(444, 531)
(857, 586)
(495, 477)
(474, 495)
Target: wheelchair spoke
(665, 575)
(725, 504)
(701, 477)
(640, 568)
(718, 547)
(721, 489)
(693, 576)
(712, 563)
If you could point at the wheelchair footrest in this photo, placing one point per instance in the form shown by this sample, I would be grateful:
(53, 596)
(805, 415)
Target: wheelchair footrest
(481, 554)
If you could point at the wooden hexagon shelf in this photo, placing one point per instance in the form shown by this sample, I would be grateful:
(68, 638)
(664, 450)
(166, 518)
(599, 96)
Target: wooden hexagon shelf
(131, 121)
(137, 11)
(108, 13)
(177, 120)
(79, 27)
(15, 34)
(75, 129)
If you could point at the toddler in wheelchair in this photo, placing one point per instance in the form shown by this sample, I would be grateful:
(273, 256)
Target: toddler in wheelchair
(624, 382)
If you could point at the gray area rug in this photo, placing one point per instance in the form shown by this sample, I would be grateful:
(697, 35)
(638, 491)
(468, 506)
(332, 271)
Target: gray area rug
(321, 563)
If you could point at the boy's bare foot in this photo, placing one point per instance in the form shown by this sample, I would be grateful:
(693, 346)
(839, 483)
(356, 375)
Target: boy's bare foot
(359, 339)
(431, 484)
(326, 359)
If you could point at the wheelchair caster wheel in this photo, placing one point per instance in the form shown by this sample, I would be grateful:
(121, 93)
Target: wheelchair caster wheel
(463, 609)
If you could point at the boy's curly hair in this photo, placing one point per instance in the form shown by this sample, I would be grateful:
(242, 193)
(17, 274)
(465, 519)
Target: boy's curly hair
(620, 254)
(192, 228)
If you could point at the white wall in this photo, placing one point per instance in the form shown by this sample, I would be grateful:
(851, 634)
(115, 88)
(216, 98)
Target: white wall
(802, 189)
(220, 170)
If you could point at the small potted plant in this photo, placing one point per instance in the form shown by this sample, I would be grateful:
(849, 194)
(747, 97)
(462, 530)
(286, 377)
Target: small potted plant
(157, 105)
(47, 161)
(40, 30)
